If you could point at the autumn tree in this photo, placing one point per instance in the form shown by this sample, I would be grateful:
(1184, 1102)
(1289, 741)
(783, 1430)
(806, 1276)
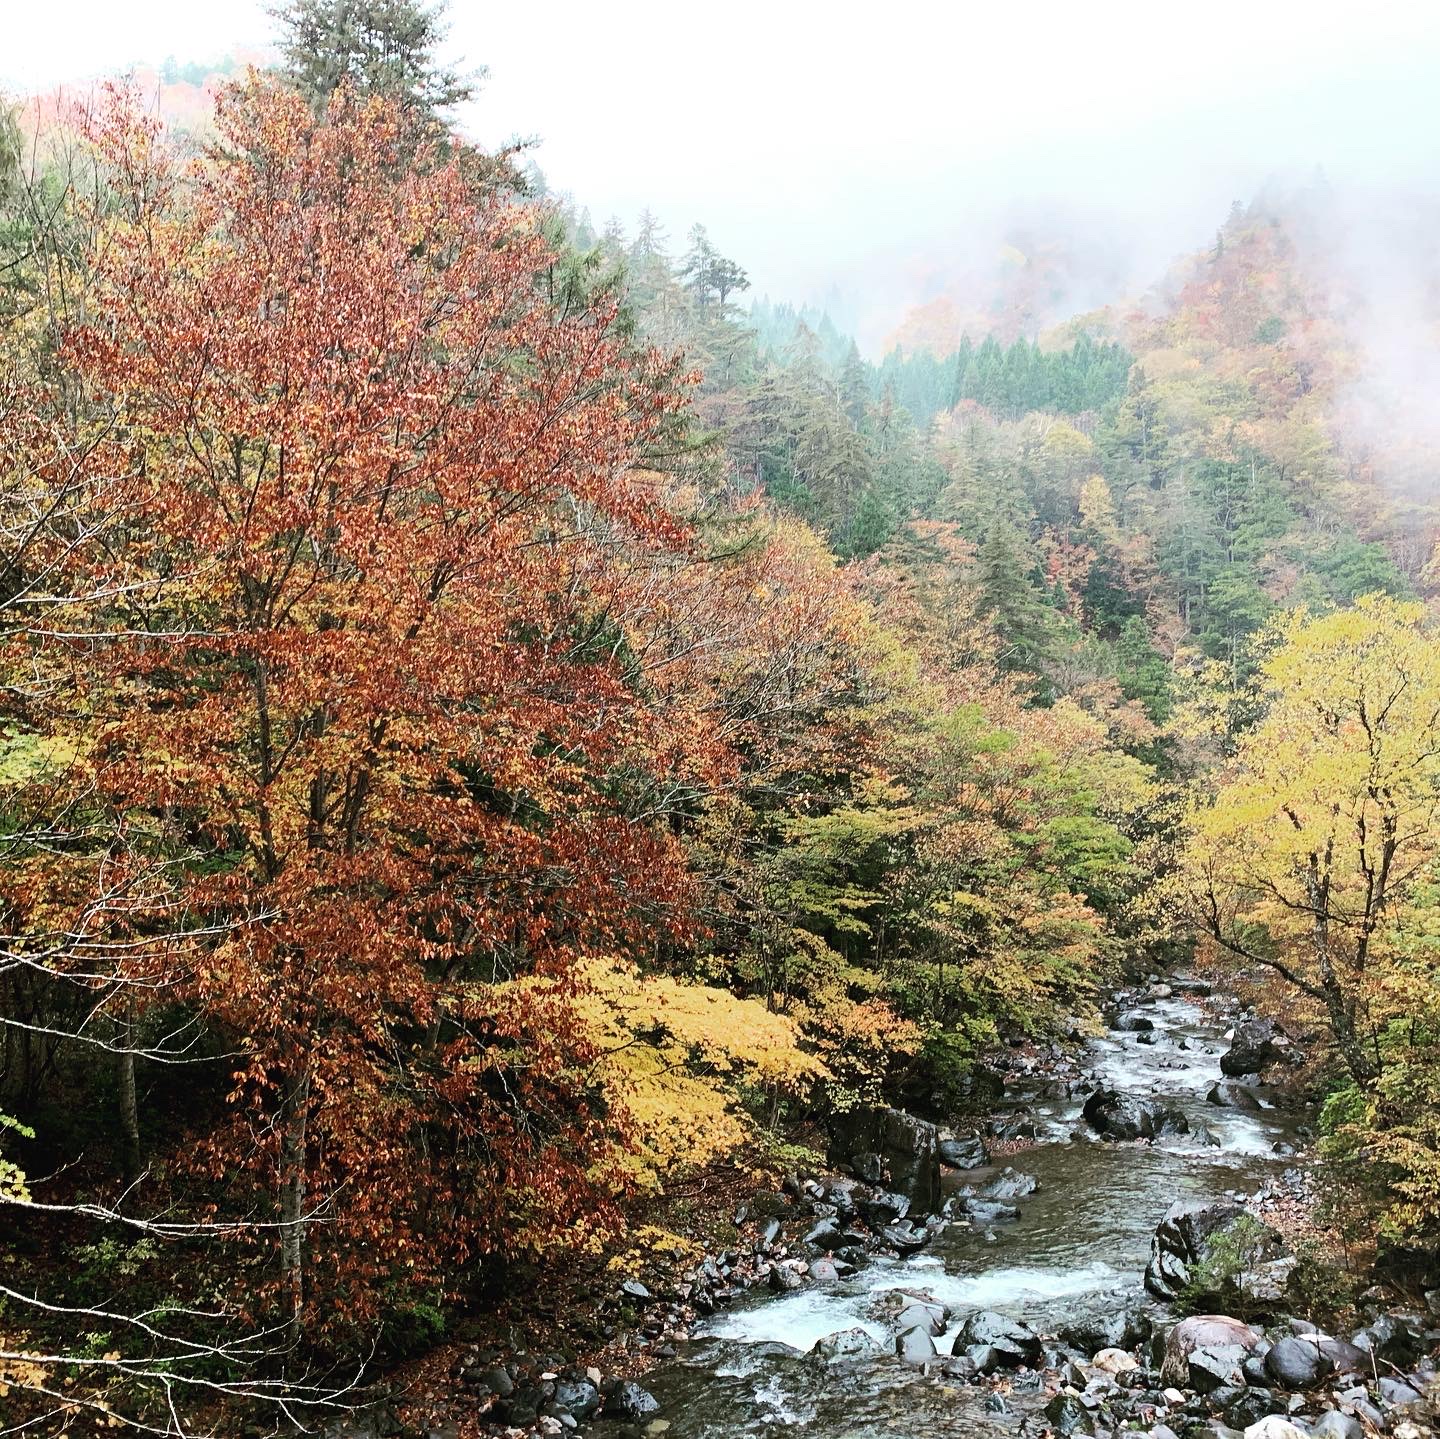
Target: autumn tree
(1325, 820)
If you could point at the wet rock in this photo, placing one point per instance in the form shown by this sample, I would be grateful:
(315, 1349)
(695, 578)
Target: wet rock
(908, 1147)
(1334, 1425)
(846, 1344)
(1297, 1362)
(905, 1237)
(577, 1396)
(983, 1211)
(1251, 1049)
(1251, 1405)
(1122, 1116)
(1131, 1021)
(1067, 1415)
(920, 1315)
(825, 1235)
(915, 1346)
(968, 1153)
(1198, 1332)
(1215, 1366)
(882, 1208)
(824, 1271)
(1228, 1095)
(1010, 1341)
(1009, 1184)
(630, 1401)
(1185, 1244)
(783, 1278)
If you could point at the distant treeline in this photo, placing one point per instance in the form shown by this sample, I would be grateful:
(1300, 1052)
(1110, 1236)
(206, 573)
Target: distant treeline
(1008, 380)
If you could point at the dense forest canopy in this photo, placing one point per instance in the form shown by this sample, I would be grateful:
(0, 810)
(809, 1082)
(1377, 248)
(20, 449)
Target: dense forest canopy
(495, 708)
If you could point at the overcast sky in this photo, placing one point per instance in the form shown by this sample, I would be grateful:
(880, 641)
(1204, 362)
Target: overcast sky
(832, 140)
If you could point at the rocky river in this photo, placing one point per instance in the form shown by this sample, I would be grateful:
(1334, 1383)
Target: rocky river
(994, 1322)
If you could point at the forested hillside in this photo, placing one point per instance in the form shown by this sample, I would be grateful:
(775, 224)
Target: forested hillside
(503, 736)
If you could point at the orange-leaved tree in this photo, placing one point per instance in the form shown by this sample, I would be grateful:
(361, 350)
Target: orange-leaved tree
(350, 652)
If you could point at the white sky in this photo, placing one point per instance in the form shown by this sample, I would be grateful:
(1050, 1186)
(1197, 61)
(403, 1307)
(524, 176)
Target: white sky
(814, 139)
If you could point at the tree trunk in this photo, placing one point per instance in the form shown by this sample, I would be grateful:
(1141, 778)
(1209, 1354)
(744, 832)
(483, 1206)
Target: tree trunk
(131, 1158)
(294, 1116)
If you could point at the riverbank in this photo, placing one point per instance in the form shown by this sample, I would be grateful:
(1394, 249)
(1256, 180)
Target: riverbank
(1036, 1295)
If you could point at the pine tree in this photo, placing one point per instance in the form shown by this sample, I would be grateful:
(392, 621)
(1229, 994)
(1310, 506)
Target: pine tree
(378, 47)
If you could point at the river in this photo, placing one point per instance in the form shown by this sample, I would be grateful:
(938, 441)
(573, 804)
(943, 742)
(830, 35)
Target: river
(1080, 1245)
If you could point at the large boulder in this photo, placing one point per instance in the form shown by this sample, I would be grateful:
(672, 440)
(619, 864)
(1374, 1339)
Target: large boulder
(1203, 1332)
(1010, 1342)
(1252, 1047)
(1233, 1096)
(1201, 1249)
(967, 1153)
(1298, 1362)
(908, 1150)
(1009, 1184)
(845, 1345)
(1122, 1116)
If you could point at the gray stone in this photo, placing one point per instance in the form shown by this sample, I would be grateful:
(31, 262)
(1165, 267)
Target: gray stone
(1012, 1342)
(1203, 1331)
(915, 1346)
(1185, 1240)
(909, 1149)
(1009, 1184)
(1297, 1363)
(1067, 1415)
(967, 1153)
(630, 1401)
(846, 1344)
(577, 1396)
(1335, 1425)
(1251, 1049)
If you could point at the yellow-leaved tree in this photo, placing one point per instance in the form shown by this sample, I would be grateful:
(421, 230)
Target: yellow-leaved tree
(1325, 819)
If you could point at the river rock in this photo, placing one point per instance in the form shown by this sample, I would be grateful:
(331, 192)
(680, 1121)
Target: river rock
(846, 1344)
(1067, 1415)
(968, 1153)
(1391, 1337)
(1121, 1116)
(909, 1149)
(1011, 1342)
(1119, 1326)
(1250, 1405)
(1132, 1022)
(915, 1346)
(1115, 1361)
(1297, 1362)
(825, 1271)
(983, 1211)
(1009, 1184)
(1210, 1367)
(783, 1278)
(1334, 1425)
(1190, 1238)
(1251, 1049)
(825, 1235)
(577, 1396)
(882, 1208)
(905, 1238)
(919, 1314)
(630, 1401)
(1198, 1332)
(1228, 1095)
(1273, 1426)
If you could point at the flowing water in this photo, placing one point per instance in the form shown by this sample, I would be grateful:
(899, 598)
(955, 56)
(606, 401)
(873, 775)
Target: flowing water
(1080, 1245)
